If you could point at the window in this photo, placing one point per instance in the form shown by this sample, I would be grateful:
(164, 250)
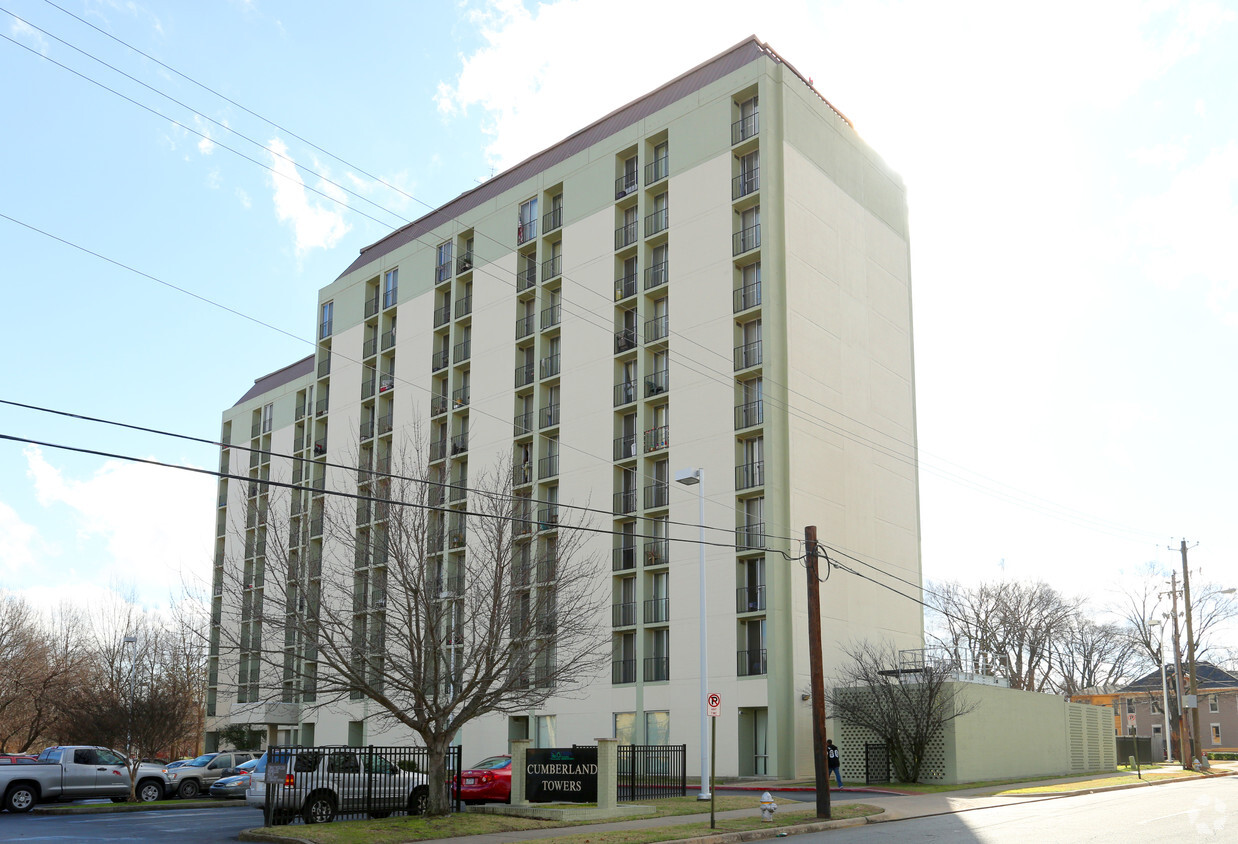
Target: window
(629, 174)
(1213, 704)
(1216, 733)
(1157, 708)
(442, 267)
(625, 727)
(1130, 706)
(545, 733)
(268, 413)
(390, 286)
(526, 228)
(658, 727)
(328, 309)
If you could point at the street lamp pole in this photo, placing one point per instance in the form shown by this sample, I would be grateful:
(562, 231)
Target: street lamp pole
(690, 477)
(1160, 657)
(133, 670)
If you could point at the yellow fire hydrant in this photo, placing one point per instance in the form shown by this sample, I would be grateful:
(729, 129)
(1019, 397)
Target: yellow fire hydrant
(768, 806)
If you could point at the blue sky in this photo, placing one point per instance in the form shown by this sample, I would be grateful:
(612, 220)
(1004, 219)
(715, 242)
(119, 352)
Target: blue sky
(1071, 177)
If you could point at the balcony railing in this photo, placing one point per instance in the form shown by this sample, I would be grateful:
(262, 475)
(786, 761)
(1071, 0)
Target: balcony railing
(460, 397)
(439, 360)
(384, 424)
(751, 663)
(657, 552)
(625, 340)
(389, 296)
(623, 615)
(750, 537)
(552, 220)
(464, 263)
(625, 286)
(522, 474)
(748, 296)
(525, 375)
(750, 474)
(625, 393)
(657, 222)
(388, 339)
(324, 330)
(320, 447)
(624, 557)
(625, 447)
(657, 611)
(657, 668)
(625, 235)
(749, 414)
(461, 351)
(368, 385)
(626, 184)
(438, 451)
(625, 502)
(526, 278)
(746, 183)
(657, 438)
(657, 328)
(745, 240)
(324, 367)
(549, 366)
(750, 599)
(547, 519)
(320, 406)
(745, 128)
(657, 382)
(548, 467)
(748, 355)
(458, 490)
(548, 416)
(656, 495)
(657, 275)
(657, 170)
(522, 424)
(371, 306)
(623, 671)
(551, 316)
(524, 327)
(464, 306)
(459, 444)
(438, 405)
(526, 231)
(442, 272)
(367, 430)
(369, 348)
(386, 381)
(552, 268)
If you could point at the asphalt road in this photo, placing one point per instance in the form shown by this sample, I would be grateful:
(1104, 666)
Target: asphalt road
(197, 825)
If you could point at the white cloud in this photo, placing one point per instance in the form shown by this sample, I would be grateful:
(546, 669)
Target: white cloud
(246, 202)
(18, 541)
(23, 31)
(314, 224)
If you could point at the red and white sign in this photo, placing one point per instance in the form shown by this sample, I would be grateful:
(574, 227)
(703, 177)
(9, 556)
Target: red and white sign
(713, 704)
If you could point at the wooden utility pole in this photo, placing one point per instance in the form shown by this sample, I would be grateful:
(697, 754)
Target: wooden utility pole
(1197, 750)
(816, 671)
(1183, 756)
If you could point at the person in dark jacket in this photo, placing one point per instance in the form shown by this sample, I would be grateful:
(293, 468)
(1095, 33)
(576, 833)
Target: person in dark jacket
(835, 762)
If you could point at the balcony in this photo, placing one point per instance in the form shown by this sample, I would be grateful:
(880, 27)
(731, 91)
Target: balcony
(526, 278)
(625, 393)
(625, 286)
(746, 183)
(623, 671)
(551, 316)
(371, 306)
(657, 668)
(625, 235)
(547, 519)
(522, 524)
(748, 355)
(386, 382)
(464, 263)
(524, 375)
(748, 296)
(657, 611)
(548, 416)
(658, 438)
(626, 184)
(460, 397)
(384, 424)
(552, 220)
(300, 411)
(369, 348)
(526, 231)
(750, 599)
(461, 351)
(552, 268)
(324, 367)
(438, 404)
(624, 557)
(657, 552)
(749, 414)
(320, 407)
(457, 538)
(745, 240)
(524, 326)
(522, 474)
(320, 447)
(625, 340)
(464, 307)
(459, 444)
(549, 367)
(548, 467)
(657, 328)
(745, 128)
(367, 430)
(438, 451)
(439, 360)
(388, 339)
(522, 424)
(315, 526)
(389, 296)
(657, 275)
(324, 330)
(657, 382)
(657, 170)
(751, 663)
(442, 272)
(657, 495)
(625, 502)
(750, 475)
(623, 615)
(625, 447)
(657, 222)
(367, 386)
(750, 537)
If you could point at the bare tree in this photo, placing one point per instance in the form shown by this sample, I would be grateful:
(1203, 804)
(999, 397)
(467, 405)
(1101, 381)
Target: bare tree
(906, 707)
(40, 659)
(436, 612)
(1092, 655)
(1147, 600)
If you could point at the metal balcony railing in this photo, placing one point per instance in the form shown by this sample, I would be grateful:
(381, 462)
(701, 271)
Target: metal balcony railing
(623, 615)
(388, 339)
(320, 406)
(324, 330)
(461, 351)
(464, 263)
(656, 495)
(548, 467)
(657, 668)
(657, 275)
(370, 347)
(442, 272)
(657, 170)
(748, 355)
(464, 306)
(324, 367)
(526, 278)
(746, 183)
(549, 366)
(750, 475)
(658, 438)
(623, 671)
(748, 296)
(624, 557)
(384, 424)
(625, 447)
(625, 286)
(625, 235)
(371, 306)
(552, 268)
(389, 296)
(551, 316)
(549, 416)
(625, 502)
(524, 326)
(626, 184)
(750, 537)
(749, 414)
(657, 222)
(438, 451)
(438, 405)
(745, 128)
(525, 375)
(745, 240)
(522, 424)
(547, 519)
(750, 599)
(657, 382)
(625, 340)
(552, 220)
(657, 552)
(751, 663)
(460, 397)
(459, 444)
(526, 231)
(657, 611)
(439, 360)
(367, 429)
(657, 328)
(625, 393)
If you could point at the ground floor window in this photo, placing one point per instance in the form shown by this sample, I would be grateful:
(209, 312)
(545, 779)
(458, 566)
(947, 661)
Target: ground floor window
(657, 727)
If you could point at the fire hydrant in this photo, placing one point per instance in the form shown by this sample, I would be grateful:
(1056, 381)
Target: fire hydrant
(768, 806)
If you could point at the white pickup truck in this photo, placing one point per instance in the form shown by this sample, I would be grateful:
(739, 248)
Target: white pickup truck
(75, 772)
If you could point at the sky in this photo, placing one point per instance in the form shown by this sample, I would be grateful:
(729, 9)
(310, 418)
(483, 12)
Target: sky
(1071, 173)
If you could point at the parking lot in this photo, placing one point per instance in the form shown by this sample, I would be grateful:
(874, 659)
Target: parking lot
(203, 825)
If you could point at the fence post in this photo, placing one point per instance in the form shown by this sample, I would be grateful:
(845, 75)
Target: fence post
(608, 759)
(519, 746)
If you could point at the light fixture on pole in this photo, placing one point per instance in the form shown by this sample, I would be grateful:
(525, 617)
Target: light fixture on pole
(1160, 657)
(690, 477)
(133, 670)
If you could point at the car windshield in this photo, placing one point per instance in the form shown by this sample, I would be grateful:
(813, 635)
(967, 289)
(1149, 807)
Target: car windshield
(492, 763)
(201, 760)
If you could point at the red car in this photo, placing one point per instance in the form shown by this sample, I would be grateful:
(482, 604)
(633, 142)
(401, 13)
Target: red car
(490, 780)
(17, 759)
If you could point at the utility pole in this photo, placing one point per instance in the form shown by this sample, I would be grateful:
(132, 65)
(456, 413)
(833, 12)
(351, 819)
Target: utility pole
(1190, 657)
(1183, 757)
(816, 672)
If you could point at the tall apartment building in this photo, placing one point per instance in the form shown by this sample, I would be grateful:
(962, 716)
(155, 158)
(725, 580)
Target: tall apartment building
(715, 277)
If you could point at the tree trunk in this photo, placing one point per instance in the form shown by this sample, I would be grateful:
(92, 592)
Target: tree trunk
(438, 802)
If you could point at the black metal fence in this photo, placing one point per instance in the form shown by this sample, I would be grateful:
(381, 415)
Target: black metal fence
(321, 784)
(652, 771)
(876, 764)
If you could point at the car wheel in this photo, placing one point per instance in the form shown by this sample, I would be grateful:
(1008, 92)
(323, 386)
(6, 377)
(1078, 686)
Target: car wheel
(189, 789)
(20, 798)
(418, 800)
(149, 791)
(319, 808)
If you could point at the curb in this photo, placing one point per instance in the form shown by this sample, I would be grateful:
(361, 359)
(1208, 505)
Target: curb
(259, 834)
(772, 832)
(120, 808)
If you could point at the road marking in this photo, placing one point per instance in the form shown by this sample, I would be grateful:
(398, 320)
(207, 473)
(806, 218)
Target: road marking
(1162, 817)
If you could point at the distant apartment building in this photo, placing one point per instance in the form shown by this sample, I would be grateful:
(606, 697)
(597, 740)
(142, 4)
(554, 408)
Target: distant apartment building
(1140, 708)
(714, 276)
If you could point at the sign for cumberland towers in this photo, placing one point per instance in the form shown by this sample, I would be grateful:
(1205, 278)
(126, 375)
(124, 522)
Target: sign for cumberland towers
(561, 774)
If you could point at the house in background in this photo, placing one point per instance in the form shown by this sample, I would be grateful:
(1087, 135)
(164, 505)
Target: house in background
(1140, 709)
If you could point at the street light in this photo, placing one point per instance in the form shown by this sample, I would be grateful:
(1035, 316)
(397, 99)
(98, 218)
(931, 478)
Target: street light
(133, 670)
(690, 477)
(1160, 657)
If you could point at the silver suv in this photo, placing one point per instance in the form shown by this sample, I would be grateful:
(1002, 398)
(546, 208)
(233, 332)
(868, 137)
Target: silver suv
(321, 782)
(195, 777)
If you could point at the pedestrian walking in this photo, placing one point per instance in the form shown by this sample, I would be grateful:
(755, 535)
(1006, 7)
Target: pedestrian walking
(835, 762)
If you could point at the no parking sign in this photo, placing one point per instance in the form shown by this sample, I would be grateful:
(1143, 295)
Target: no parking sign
(713, 704)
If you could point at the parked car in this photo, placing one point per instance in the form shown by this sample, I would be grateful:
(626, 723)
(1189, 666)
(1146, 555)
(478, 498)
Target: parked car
(16, 759)
(74, 772)
(322, 782)
(196, 775)
(490, 780)
(235, 785)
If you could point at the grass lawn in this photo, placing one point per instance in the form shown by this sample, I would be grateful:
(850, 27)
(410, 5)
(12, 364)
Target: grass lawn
(392, 830)
(1086, 781)
(1105, 782)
